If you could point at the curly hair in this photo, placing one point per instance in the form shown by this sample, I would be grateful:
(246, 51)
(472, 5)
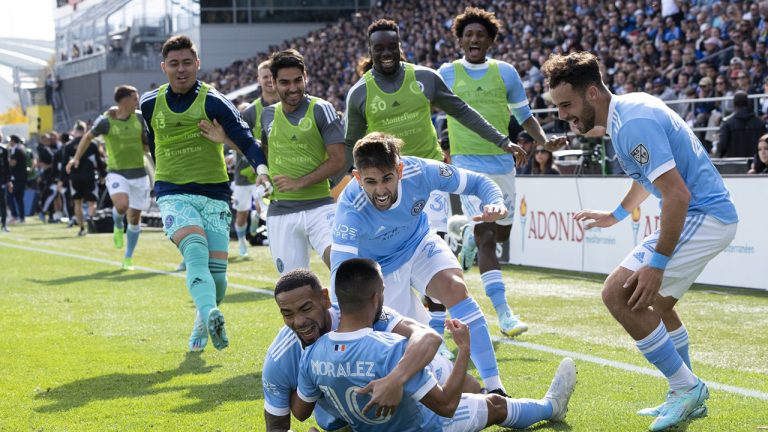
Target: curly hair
(579, 69)
(383, 25)
(476, 15)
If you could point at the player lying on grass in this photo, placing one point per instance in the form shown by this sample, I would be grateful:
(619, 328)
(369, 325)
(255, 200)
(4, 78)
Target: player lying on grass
(339, 366)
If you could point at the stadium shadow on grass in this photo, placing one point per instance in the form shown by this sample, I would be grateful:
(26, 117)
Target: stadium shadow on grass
(108, 275)
(119, 385)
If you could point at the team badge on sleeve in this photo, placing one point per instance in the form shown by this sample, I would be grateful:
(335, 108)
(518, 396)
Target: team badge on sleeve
(640, 154)
(445, 170)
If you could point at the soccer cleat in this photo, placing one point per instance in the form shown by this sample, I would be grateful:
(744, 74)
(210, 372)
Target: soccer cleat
(199, 337)
(679, 406)
(82, 232)
(5, 229)
(699, 412)
(444, 351)
(499, 391)
(242, 249)
(128, 264)
(468, 247)
(561, 389)
(511, 325)
(216, 329)
(117, 236)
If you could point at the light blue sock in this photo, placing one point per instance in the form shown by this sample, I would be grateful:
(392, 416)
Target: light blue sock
(522, 413)
(494, 287)
(680, 339)
(481, 349)
(117, 218)
(659, 349)
(240, 231)
(218, 243)
(133, 237)
(437, 322)
(194, 248)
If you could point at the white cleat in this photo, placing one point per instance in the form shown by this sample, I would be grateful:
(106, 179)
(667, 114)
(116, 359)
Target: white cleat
(561, 389)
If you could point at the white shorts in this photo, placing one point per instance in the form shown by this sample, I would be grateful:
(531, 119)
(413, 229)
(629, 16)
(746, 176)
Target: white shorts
(137, 190)
(471, 414)
(702, 238)
(242, 197)
(472, 206)
(441, 368)
(432, 256)
(438, 209)
(291, 235)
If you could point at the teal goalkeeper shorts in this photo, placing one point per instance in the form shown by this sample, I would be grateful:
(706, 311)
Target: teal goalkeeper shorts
(182, 210)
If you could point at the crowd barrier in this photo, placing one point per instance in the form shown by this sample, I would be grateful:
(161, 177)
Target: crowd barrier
(544, 233)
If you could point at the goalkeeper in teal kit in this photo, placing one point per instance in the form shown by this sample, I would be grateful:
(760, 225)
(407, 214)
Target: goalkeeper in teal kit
(191, 182)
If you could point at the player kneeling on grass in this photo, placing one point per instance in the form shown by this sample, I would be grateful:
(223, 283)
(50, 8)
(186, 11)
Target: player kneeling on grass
(306, 310)
(338, 368)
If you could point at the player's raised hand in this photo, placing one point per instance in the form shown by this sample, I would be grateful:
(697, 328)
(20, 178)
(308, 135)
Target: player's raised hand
(212, 131)
(597, 218)
(386, 394)
(517, 151)
(459, 332)
(648, 280)
(555, 143)
(492, 213)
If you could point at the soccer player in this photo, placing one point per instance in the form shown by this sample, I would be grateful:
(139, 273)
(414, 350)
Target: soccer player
(494, 89)
(342, 362)
(82, 176)
(397, 98)
(306, 310)
(124, 130)
(191, 182)
(304, 141)
(658, 150)
(381, 216)
(244, 188)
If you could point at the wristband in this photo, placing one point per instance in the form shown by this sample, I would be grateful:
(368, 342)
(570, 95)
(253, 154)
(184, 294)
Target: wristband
(262, 170)
(620, 213)
(659, 261)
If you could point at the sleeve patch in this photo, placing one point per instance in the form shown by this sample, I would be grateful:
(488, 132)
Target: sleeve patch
(640, 154)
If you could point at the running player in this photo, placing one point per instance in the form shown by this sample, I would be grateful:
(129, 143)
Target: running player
(381, 216)
(191, 182)
(82, 176)
(306, 310)
(244, 189)
(494, 89)
(124, 131)
(397, 98)
(658, 150)
(341, 364)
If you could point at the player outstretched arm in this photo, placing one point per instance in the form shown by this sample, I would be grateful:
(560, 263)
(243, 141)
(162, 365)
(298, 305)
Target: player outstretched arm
(423, 343)
(604, 219)
(443, 400)
(216, 133)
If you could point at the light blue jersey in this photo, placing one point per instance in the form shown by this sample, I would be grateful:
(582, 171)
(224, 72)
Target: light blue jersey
(280, 374)
(390, 237)
(651, 139)
(518, 104)
(339, 363)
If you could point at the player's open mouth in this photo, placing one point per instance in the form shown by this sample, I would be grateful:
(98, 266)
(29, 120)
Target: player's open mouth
(387, 63)
(474, 50)
(308, 333)
(381, 199)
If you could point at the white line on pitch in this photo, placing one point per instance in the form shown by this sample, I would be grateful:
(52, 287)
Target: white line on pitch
(563, 353)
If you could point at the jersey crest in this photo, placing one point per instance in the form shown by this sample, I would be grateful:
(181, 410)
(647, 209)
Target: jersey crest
(640, 154)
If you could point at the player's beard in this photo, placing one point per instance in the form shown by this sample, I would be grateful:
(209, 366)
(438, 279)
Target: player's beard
(587, 118)
(378, 312)
(391, 198)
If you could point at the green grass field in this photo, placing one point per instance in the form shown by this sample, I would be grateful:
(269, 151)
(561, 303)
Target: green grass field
(88, 347)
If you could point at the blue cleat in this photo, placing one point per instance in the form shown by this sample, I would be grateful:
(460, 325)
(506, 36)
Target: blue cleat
(699, 412)
(679, 406)
(216, 329)
(199, 337)
(468, 247)
(511, 325)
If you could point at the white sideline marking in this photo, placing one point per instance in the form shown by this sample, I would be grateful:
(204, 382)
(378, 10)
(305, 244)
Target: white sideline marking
(563, 353)
(628, 367)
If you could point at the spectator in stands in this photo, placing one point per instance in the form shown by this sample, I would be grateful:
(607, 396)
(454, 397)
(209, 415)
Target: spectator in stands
(543, 162)
(723, 89)
(760, 162)
(661, 90)
(526, 142)
(740, 131)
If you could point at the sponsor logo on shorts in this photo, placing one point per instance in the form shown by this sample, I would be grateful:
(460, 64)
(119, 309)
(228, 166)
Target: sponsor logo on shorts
(280, 265)
(418, 206)
(169, 221)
